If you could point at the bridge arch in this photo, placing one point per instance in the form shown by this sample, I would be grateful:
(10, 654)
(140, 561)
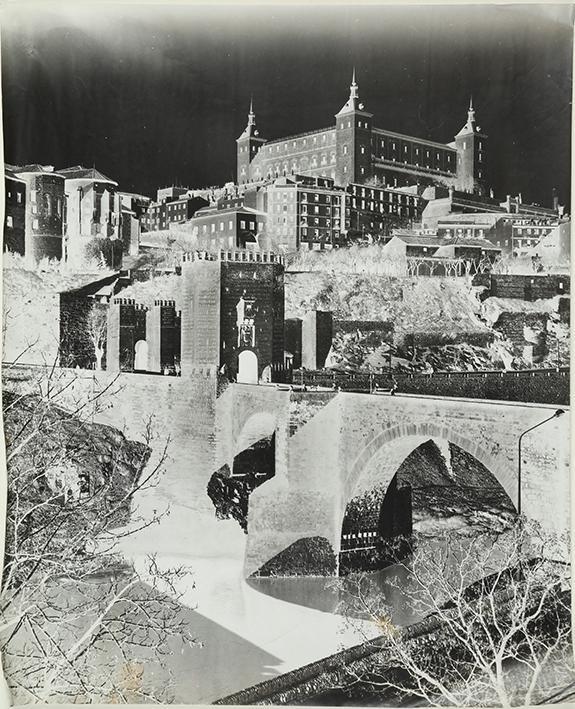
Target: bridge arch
(373, 475)
(260, 424)
(381, 457)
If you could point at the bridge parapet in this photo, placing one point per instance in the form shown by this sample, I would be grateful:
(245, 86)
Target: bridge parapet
(541, 386)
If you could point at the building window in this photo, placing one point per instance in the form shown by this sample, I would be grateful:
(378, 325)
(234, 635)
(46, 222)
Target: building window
(252, 225)
(221, 226)
(213, 228)
(19, 197)
(35, 224)
(242, 224)
(230, 225)
(9, 222)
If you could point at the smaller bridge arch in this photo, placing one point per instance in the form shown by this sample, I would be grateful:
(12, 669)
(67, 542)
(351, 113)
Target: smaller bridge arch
(259, 425)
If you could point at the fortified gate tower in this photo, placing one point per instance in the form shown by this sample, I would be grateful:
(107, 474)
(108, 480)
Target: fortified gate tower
(233, 317)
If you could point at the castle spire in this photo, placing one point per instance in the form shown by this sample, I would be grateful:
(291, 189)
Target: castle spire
(250, 129)
(352, 103)
(353, 89)
(470, 112)
(469, 126)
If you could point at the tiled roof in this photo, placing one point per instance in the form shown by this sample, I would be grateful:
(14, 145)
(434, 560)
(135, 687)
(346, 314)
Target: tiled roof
(419, 240)
(85, 173)
(34, 167)
(11, 175)
(440, 241)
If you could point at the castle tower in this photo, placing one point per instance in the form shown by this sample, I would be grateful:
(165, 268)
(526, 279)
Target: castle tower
(126, 347)
(353, 140)
(471, 168)
(249, 143)
(163, 337)
(234, 313)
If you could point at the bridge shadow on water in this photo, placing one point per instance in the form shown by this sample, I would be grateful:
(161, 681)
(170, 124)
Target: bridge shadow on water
(436, 489)
(219, 663)
(329, 595)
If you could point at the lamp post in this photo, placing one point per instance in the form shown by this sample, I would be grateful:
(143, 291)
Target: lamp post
(558, 412)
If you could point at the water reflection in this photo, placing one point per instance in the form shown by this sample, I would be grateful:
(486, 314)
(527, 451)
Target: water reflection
(391, 586)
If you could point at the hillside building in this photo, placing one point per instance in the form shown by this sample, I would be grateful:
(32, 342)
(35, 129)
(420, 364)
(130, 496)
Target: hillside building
(133, 208)
(14, 213)
(93, 218)
(44, 210)
(228, 224)
(174, 206)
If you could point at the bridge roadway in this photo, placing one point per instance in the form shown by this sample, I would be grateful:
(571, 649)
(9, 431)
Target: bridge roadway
(353, 442)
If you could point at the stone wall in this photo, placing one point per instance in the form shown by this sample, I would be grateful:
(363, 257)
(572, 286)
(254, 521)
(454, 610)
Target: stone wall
(525, 330)
(181, 410)
(523, 287)
(38, 344)
(317, 336)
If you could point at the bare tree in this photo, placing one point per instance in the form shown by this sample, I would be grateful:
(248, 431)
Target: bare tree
(497, 628)
(96, 327)
(77, 622)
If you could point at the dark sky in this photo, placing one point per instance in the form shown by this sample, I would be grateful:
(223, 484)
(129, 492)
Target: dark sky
(155, 95)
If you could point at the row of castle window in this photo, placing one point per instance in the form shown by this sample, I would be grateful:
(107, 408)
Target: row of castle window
(18, 197)
(468, 232)
(47, 205)
(252, 225)
(360, 535)
(360, 124)
(305, 232)
(535, 230)
(296, 144)
(295, 166)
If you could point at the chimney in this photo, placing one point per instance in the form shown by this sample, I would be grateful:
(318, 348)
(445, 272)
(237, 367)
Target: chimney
(555, 200)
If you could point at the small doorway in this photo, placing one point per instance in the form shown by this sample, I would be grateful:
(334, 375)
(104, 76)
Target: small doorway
(247, 367)
(141, 356)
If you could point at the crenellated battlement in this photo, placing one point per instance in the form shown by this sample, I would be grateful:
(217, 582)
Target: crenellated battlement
(165, 303)
(234, 256)
(130, 302)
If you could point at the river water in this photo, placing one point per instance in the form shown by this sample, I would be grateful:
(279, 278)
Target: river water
(250, 630)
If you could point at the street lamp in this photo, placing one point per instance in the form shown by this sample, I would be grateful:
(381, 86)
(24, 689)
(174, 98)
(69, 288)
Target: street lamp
(557, 413)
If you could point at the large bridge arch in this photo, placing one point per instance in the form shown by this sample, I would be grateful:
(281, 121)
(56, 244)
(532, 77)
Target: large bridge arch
(352, 437)
(383, 454)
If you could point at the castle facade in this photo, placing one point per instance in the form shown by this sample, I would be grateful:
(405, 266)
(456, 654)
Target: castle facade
(354, 150)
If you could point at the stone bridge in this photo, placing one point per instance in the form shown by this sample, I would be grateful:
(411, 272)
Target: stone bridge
(353, 442)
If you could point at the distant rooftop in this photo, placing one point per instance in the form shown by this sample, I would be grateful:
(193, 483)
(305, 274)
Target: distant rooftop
(34, 167)
(85, 173)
